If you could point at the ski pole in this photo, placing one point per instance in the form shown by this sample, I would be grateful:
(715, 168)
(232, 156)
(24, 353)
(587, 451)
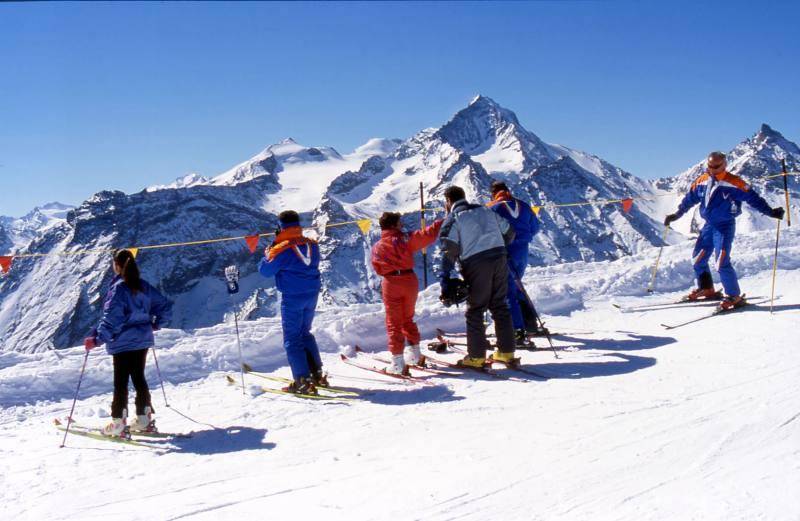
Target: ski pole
(786, 193)
(232, 281)
(239, 343)
(775, 267)
(161, 380)
(652, 283)
(75, 399)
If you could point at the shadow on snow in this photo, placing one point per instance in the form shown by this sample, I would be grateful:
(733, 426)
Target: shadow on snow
(576, 370)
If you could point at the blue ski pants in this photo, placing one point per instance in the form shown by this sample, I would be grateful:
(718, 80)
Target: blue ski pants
(517, 263)
(297, 314)
(717, 239)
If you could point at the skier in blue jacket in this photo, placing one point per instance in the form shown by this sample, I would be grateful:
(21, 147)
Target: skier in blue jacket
(720, 195)
(132, 310)
(526, 224)
(294, 262)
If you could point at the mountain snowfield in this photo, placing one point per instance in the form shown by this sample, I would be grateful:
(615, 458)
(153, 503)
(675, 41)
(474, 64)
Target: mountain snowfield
(635, 423)
(480, 143)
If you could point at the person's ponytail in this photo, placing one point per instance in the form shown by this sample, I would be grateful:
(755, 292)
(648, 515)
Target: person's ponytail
(128, 270)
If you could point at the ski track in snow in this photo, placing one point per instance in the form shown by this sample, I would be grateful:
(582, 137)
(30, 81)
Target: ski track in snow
(636, 423)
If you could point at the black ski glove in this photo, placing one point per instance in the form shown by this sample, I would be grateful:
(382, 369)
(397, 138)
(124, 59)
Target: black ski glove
(777, 213)
(670, 219)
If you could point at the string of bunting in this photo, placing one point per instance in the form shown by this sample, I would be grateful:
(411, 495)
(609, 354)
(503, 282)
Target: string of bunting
(364, 225)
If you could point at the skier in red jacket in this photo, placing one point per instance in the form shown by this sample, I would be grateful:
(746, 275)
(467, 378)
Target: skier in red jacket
(393, 259)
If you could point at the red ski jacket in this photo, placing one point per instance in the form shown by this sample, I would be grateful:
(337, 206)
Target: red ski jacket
(394, 252)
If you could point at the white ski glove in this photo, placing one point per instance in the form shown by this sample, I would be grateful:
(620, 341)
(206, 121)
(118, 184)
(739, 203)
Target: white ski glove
(232, 279)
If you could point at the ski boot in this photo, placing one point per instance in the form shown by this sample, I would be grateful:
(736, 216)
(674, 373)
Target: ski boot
(301, 386)
(522, 341)
(319, 378)
(116, 429)
(702, 294)
(397, 366)
(505, 358)
(412, 356)
(437, 347)
(472, 362)
(729, 303)
(144, 422)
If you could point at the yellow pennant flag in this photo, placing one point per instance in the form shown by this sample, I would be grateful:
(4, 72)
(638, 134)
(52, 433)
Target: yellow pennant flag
(134, 251)
(364, 225)
(536, 209)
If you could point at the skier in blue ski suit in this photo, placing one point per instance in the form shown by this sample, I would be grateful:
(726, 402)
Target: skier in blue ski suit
(294, 262)
(720, 195)
(525, 223)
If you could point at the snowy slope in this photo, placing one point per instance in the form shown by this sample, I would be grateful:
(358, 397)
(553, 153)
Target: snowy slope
(636, 423)
(752, 159)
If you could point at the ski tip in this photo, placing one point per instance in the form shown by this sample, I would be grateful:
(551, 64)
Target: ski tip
(247, 367)
(230, 379)
(342, 356)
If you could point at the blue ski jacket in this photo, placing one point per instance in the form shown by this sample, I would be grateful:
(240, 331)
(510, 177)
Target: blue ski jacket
(294, 262)
(721, 198)
(129, 318)
(521, 216)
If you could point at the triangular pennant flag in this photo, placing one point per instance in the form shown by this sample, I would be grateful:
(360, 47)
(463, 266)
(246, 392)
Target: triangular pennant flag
(627, 204)
(364, 225)
(134, 251)
(5, 264)
(536, 209)
(252, 242)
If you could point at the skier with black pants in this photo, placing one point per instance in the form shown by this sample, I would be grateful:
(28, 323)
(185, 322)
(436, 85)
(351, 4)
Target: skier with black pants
(477, 237)
(132, 310)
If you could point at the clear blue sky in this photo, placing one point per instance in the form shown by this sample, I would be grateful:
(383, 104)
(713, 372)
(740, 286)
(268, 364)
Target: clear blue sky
(96, 96)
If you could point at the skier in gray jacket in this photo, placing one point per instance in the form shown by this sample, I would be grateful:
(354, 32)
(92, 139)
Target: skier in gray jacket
(477, 237)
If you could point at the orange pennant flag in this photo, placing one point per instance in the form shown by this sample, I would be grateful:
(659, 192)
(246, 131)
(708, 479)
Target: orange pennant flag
(252, 242)
(364, 225)
(134, 251)
(627, 204)
(536, 209)
(5, 263)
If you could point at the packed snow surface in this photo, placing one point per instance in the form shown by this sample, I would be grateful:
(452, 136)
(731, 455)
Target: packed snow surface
(636, 422)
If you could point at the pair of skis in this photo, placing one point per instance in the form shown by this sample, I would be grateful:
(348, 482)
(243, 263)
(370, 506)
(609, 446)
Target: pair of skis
(444, 337)
(686, 302)
(515, 364)
(326, 393)
(432, 365)
(134, 439)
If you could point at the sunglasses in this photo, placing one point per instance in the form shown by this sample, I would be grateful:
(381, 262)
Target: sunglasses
(715, 167)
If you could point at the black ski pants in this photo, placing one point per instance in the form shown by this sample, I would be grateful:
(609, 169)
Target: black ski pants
(130, 364)
(487, 279)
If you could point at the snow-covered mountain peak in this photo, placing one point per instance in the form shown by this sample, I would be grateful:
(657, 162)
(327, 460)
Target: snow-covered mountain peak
(16, 233)
(377, 147)
(769, 138)
(495, 138)
(184, 181)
